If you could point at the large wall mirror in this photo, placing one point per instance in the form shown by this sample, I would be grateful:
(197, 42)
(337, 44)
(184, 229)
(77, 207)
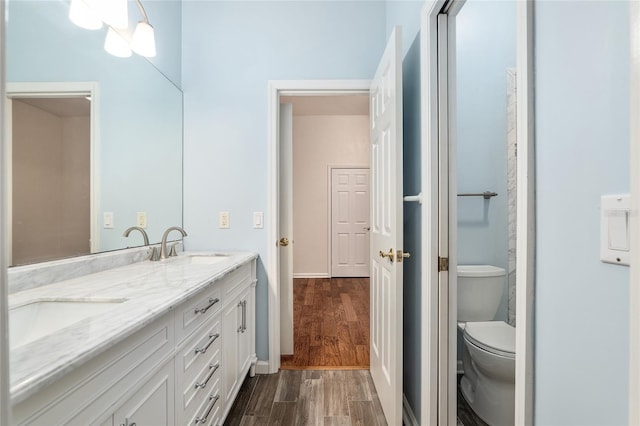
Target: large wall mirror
(95, 140)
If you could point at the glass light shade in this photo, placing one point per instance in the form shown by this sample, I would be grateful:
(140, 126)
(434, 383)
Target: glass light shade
(116, 44)
(113, 12)
(143, 41)
(84, 16)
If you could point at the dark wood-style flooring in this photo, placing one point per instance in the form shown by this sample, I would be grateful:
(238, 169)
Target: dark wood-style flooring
(331, 324)
(295, 397)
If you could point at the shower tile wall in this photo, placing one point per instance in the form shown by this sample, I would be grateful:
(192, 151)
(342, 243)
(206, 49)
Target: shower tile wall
(511, 190)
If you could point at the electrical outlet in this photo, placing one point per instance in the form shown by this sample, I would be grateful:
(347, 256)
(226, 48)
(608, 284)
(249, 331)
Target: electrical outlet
(141, 219)
(107, 220)
(223, 220)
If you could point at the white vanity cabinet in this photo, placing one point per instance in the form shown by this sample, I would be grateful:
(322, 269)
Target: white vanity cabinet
(92, 393)
(184, 368)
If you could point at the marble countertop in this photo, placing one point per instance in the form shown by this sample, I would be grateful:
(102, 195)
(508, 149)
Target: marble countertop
(150, 289)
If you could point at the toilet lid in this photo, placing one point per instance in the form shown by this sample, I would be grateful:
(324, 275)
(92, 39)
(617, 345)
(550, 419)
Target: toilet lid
(493, 336)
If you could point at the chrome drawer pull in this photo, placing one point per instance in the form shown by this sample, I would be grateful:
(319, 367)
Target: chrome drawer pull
(204, 418)
(212, 338)
(241, 328)
(244, 316)
(212, 302)
(213, 368)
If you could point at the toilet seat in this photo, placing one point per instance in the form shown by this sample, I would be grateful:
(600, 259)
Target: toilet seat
(496, 337)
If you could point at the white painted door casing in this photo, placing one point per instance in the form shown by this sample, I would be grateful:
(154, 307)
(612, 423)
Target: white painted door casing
(386, 228)
(350, 210)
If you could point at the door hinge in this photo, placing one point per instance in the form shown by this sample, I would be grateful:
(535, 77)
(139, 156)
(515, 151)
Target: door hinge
(443, 264)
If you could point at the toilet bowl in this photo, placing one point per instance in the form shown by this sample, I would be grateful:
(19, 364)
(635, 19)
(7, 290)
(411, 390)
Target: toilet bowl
(488, 354)
(488, 383)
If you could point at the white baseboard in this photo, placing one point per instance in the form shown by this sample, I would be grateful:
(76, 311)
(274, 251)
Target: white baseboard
(262, 367)
(408, 418)
(311, 275)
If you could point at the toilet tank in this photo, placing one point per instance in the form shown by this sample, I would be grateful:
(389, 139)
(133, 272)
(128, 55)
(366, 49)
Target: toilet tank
(480, 289)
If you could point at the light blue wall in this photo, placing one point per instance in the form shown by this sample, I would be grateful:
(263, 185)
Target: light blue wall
(582, 152)
(140, 112)
(166, 18)
(485, 48)
(230, 51)
(412, 302)
(407, 15)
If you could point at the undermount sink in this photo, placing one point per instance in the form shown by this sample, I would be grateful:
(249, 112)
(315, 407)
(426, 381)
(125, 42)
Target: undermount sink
(30, 322)
(207, 258)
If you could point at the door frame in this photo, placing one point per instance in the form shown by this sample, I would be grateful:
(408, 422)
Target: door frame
(55, 90)
(330, 169)
(634, 289)
(431, 371)
(277, 88)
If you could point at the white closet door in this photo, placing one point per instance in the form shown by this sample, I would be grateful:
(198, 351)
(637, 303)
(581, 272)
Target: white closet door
(350, 222)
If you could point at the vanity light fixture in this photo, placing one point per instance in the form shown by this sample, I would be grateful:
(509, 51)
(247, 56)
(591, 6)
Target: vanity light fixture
(81, 14)
(90, 14)
(114, 13)
(116, 44)
(143, 41)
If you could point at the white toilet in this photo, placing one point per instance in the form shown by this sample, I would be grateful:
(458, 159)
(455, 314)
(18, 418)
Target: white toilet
(488, 356)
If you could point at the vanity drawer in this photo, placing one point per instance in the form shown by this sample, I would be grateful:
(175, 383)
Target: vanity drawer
(197, 310)
(198, 366)
(208, 409)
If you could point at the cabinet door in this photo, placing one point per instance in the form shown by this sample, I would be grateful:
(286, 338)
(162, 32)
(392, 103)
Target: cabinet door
(244, 337)
(152, 404)
(231, 329)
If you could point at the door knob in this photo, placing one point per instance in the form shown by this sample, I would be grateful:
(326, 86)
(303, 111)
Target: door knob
(402, 255)
(389, 255)
(366, 228)
(284, 241)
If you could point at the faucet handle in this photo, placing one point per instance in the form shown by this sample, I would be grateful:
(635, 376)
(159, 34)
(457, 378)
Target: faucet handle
(173, 251)
(155, 254)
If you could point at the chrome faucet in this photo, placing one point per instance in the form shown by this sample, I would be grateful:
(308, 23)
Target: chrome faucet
(142, 231)
(163, 245)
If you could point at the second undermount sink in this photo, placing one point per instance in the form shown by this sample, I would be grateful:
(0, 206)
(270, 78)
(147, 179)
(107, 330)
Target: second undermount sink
(30, 322)
(207, 258)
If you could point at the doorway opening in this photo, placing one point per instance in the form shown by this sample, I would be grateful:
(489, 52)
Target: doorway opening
(50, 143)
(461, 206)
(324, 212)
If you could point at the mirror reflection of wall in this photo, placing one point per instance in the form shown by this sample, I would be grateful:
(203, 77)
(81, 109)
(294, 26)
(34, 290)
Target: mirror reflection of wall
(50, 178)
(138, 155)
(485, 60)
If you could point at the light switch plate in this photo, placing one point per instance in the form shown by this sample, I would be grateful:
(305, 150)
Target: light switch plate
(223, 220)
(107, 220)
(614, 229)
(258, 220)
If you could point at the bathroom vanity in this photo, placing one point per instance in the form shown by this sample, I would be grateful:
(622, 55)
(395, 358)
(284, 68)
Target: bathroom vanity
(151, 343)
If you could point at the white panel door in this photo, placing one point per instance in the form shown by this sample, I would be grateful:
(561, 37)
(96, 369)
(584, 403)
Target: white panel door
(350, 222)
(285, 220)
(386, 229)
